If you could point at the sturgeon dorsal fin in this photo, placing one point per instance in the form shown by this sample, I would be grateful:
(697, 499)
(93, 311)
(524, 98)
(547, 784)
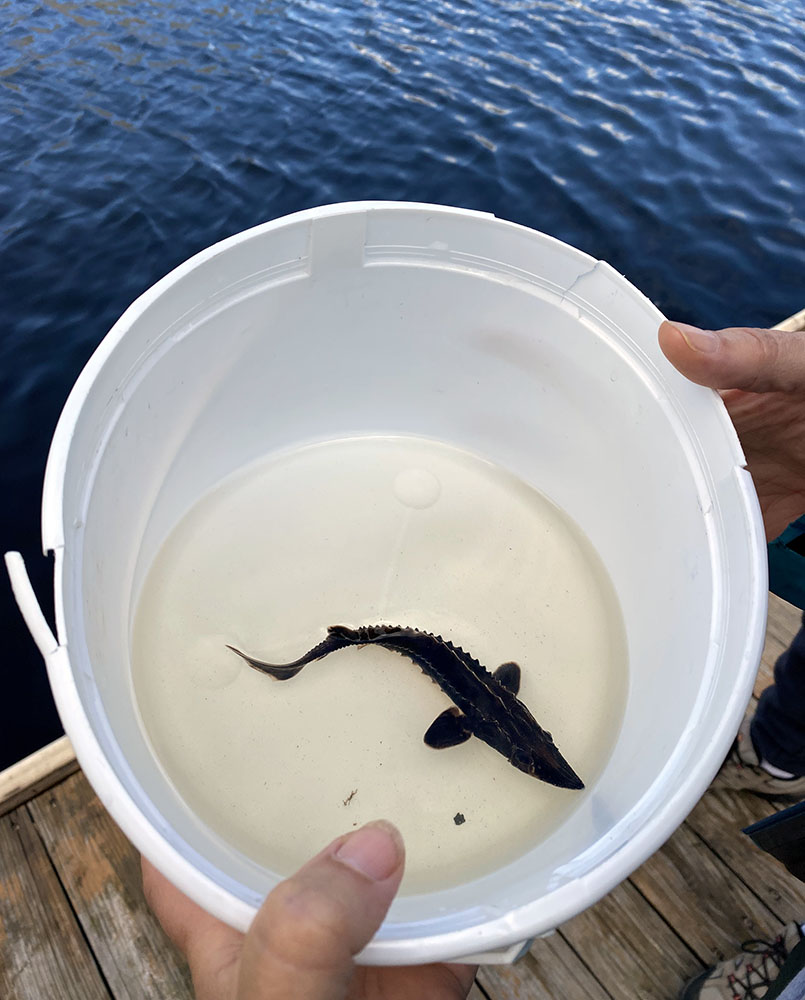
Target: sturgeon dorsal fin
(508, 674)
(448, 730)
(462, 654)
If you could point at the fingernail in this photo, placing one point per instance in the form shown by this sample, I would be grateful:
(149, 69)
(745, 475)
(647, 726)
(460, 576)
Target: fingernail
(704, 341)
(376, 850)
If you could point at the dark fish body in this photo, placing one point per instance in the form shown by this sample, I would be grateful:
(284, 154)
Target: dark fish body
(486, 704)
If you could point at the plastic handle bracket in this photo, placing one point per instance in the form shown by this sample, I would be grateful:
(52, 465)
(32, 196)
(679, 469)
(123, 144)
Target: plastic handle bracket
(503, 956)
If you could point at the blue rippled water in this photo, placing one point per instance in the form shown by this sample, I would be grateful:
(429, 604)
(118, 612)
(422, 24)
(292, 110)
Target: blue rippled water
(667, 138)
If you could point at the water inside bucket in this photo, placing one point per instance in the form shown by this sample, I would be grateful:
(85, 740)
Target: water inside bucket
(361, 531)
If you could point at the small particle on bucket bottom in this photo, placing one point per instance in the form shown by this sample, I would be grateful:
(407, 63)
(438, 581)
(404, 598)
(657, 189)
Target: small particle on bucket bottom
(458, 819)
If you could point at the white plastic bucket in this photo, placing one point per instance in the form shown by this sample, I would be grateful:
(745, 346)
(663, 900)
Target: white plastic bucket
(514, 346)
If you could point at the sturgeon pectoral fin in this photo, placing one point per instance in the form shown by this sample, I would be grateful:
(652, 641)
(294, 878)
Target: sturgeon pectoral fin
(448, 730)
(508, 674)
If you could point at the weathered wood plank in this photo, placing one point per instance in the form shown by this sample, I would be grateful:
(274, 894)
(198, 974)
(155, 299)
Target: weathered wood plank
(630, 949)
(101, 874)
(717, 819)
(550, 970)
(476, 993)
(795, 322)
(710, 909)
(36, 773)
(42, 950)
(772, 648)
(783, 622)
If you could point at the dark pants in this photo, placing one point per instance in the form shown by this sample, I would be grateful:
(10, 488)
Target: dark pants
(793, 967)
(778, 729)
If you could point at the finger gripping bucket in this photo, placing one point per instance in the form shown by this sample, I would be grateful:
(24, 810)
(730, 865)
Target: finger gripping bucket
(454, 326)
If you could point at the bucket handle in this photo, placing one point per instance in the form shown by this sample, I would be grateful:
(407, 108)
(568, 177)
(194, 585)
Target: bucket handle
(28, 604)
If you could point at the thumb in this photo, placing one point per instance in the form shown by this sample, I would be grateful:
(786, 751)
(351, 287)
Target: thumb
(737, 357)
(302, 940)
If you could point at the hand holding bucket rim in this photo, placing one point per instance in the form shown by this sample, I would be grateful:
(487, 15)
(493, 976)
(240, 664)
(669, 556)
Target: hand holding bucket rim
(761, 376)
(303, 939)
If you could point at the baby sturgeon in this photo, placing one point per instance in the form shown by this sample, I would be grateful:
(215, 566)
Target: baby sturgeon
(485, 704)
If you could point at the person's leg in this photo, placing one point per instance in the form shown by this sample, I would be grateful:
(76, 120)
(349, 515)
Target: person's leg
(768, 754)
(778, 728)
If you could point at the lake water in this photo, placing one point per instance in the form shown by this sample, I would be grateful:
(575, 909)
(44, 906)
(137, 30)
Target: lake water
(666, 138)
(363, 531)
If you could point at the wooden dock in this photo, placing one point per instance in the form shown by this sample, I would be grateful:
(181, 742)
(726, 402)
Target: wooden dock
(74, 924)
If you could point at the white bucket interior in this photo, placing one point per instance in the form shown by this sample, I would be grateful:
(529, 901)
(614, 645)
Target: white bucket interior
(415, 320)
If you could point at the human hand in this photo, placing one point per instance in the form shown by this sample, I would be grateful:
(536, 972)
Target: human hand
(761, 375)
(300, 944)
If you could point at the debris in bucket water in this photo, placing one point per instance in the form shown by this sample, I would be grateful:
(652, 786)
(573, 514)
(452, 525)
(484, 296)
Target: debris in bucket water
(458, 819)
(351, 796)
(486, 704)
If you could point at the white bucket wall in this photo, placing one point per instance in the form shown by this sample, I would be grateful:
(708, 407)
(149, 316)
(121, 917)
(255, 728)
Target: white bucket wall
(419, 320)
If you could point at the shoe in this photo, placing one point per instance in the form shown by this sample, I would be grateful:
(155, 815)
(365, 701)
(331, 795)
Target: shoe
(749, 975)
(741, 771)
